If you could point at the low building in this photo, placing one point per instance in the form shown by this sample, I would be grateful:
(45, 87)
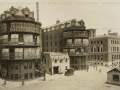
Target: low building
(113, 76)
(56, 63)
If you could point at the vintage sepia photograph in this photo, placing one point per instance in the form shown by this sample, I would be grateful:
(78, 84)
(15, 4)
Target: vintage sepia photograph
(59, 45)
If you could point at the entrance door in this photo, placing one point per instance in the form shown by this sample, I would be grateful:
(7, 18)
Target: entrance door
(55, 69)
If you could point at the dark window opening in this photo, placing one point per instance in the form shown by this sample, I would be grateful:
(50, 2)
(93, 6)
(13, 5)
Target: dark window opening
(115, 77)
(26, 76)
(16, 76)
(30, 75)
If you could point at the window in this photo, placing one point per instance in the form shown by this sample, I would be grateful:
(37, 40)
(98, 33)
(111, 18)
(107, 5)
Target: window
(115, 77)
(94, 49)
(55, 43)
(91, 49)
(11, 66)
(97, 42)
(55, 60)
(101, 57)
(26, 76)
(66, 67)
(16, 76)
(55, 36)
(21, 38)
(51, 43)
(30, 65)
(25, 65)
(117, 48)
(98, 49)
(16, 65)
(101, 49)
(98, 57)
(61, 61)
(30, 75)
(47, 44)
(50, 36)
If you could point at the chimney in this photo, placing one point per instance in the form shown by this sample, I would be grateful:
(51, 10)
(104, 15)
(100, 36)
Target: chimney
(37, 11)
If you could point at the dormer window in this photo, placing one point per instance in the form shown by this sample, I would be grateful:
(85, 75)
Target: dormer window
(3, 16)
(12, 13)
(26, 13)
(73, 23)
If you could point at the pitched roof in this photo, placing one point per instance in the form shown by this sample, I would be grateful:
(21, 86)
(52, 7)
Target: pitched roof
(118, 69)
(68, 21)
(19, 11)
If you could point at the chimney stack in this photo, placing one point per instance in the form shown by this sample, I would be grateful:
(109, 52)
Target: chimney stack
(37, 11)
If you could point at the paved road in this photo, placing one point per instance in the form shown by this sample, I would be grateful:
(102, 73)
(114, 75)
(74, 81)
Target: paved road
(81, 80)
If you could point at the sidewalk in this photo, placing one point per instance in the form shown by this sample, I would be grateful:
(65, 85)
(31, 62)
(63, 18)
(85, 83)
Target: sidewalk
(15, 84)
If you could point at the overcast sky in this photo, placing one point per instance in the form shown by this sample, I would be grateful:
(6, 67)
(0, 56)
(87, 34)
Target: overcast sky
(102, 15)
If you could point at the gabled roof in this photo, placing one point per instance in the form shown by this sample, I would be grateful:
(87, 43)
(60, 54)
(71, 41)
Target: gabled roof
(19, 11)
(118, 69)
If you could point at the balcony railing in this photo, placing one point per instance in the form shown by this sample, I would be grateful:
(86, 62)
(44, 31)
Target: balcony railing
(14, 41)
(24, 30)
(21, 30)
(75, 34)
(19, 55)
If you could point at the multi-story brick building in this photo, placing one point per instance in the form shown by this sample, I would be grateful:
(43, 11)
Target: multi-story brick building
(68, 37)
(19, 43)
(105, 49)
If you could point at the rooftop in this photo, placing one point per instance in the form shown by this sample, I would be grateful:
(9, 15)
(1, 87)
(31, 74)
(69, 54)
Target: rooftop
(78, 23)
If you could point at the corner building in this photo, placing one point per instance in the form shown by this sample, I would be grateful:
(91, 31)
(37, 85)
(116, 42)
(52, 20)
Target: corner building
(20, 43)
(105, 50)
(69, 37)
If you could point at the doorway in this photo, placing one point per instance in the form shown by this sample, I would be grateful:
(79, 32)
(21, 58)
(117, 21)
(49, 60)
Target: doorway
(55, 69)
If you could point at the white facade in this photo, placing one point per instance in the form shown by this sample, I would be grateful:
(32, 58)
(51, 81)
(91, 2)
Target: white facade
(56, 63)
